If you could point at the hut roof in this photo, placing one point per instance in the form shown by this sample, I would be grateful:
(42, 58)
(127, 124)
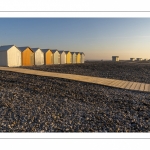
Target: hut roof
(73, 52)
(44, 50)
(53, 50)
(23, 48)
(61, 51)
(66, 52)
(5, 47)
(77, 52)
(35, 49)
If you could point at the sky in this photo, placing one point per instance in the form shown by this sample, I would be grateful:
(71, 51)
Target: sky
(98, 38)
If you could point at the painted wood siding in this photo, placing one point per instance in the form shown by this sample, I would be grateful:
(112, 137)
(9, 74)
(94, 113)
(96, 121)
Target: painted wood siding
(56, 57)
(68, 55)
(82, 58)
(14, 57)
(3, 58)
(39, 57)
(27, 57)
(63, 58)
(78, 58)
(48, 58)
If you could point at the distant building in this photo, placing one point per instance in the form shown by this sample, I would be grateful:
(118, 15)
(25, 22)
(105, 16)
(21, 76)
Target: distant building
(146, 59)
(115, 58)
(132, 59)
(139, 59)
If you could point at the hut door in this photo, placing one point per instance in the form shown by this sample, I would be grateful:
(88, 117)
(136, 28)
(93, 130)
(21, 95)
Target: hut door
(31, 59)
(58, 58)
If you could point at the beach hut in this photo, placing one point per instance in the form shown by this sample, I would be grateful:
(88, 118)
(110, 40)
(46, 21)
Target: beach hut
(139, 59)
(39, 56)
(78, 57)
(62, 57)
(48, 56)
(27, 56)
(82, 57)
(132, 59)
(10, 56)
(115, 58)
(68, 57)
(56, 56)
(74, 57)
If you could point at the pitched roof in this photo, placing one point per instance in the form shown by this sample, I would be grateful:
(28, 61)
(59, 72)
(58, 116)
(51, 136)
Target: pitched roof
(73, 53)
(23, 48)
(34, 49)
(53, 50)
(61, 51)
(66, 52)
(5, 47)
(77, 52)
(44, 50)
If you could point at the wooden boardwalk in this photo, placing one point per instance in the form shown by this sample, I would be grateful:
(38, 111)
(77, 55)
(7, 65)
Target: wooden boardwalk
(129, 85)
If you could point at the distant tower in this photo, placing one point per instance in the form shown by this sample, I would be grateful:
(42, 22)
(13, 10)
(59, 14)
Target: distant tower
(115, 58)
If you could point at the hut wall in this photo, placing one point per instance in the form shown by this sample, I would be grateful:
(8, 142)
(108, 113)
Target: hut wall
(14, 57)
(56, 57)
(68, 55)
(3, 58)
(48, 58)
(71, 58)
(27, 57)
(52, 57)
(63, 58)
(82, 59)
(74, 58)
(39, 57)
(78, 58)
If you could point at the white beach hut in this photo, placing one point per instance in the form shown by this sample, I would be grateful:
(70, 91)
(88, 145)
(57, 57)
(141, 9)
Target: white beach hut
(39, 56)
(82, 57)
(115, 58)
(74, 57)
(56, 56)
(62, 57)
(10, 56)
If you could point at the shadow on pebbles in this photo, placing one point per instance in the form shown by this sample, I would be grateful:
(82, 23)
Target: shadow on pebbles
(30, 103)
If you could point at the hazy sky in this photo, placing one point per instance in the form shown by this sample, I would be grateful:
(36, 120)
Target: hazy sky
(98, 38)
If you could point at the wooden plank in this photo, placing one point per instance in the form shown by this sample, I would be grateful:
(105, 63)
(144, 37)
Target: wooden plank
(137, 87)
(133, 86)
(142, 87)
(116, 83)
(124, 85)
(120, 84)
(129, 85)
(146, 88)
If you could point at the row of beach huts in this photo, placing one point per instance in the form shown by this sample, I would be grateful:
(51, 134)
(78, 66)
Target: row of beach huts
(11, 56)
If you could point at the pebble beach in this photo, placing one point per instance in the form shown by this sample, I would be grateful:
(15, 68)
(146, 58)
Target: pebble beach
(125, 70)
(30, 103)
